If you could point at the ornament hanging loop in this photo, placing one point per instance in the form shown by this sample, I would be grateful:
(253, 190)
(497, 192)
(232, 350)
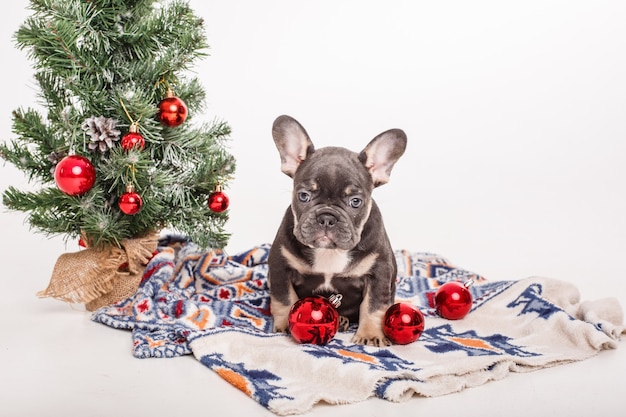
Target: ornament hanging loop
(335, 300)
(169, 92)
(134, 124)
(165, 83)
(130, 175)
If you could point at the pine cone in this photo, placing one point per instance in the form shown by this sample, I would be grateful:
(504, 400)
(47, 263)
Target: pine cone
(103, 132)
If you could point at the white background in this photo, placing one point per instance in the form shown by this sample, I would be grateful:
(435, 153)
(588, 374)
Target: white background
(515, 114)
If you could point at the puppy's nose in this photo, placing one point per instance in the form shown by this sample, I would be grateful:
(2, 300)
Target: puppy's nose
(326, 220)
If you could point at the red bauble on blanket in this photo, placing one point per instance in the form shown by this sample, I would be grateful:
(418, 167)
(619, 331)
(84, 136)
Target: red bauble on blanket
(314, 319)
(453, 300)
(403, 323)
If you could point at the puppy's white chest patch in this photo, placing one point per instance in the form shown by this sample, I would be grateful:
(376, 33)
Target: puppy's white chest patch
(330, 261)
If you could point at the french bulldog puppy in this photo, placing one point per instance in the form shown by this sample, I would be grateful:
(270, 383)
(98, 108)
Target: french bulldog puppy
(332, 239)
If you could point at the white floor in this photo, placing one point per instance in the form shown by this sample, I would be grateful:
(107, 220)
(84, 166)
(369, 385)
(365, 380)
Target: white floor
(515, 167)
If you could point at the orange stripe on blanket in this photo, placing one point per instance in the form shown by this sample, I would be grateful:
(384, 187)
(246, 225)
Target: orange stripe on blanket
(243, 289)
(358, 356)
(200, 318)
(154, 343)
(235, 380)
(474, 343)
(246, 259)
(240, 314)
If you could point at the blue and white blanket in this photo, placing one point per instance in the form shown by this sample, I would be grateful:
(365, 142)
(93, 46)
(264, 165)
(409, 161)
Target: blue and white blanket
(216, 307)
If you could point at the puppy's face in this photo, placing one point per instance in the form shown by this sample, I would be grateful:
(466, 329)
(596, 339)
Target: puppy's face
(331, 199)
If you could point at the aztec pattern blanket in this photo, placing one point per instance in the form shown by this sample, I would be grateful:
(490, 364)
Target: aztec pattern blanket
(216, 307)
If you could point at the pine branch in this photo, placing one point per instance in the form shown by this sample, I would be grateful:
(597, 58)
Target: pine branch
(113, 60)
(51, 211)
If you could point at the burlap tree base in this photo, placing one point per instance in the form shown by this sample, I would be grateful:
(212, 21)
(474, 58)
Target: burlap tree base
(100, 277)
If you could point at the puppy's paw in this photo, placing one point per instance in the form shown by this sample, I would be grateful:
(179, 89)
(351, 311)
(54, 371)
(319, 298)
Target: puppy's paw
(370, 331)
(278, 329)
(344, 324)
(371, 340)
(281, 325)
(280, 314)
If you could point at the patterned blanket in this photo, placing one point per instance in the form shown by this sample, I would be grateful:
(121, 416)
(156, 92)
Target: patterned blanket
(216, 307)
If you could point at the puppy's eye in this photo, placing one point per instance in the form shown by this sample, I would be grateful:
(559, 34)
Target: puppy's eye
(355, 202)
(304, 197)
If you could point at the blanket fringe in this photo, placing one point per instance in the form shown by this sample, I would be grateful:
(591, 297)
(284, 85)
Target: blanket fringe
(101, 276)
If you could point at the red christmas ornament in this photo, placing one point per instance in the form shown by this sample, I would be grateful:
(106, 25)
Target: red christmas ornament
(403, 323)
(130, 202)
(218, 201)
(133, 139)
(172, 110)
(453, 300)
(74, 175)
(314, 319)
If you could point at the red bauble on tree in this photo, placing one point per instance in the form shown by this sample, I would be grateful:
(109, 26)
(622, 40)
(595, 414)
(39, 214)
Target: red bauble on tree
(133, 139)
(218, 200)
(172, 110)
(403, 323)
(130, 202)
(314, 319)
(75, 175)
(453, 300)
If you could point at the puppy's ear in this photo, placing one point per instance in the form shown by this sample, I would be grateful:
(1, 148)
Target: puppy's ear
(293, 143)
(380, 155)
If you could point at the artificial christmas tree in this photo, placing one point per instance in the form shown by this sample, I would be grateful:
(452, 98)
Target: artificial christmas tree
(112, 173)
